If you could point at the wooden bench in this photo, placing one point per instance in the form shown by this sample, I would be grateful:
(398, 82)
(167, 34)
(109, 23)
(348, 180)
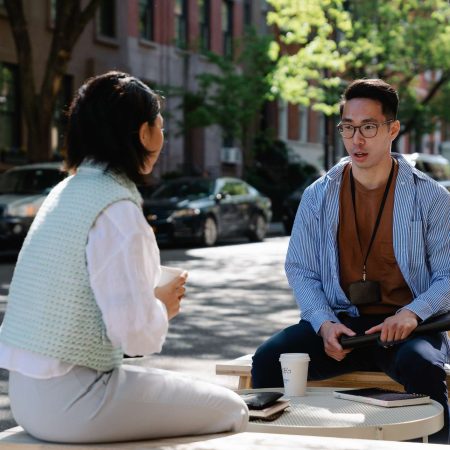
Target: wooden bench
(241, 367)
(17, 439)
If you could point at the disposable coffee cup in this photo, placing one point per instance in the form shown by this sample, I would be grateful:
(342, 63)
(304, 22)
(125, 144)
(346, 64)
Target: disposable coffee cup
(168, 274)
(294, 368)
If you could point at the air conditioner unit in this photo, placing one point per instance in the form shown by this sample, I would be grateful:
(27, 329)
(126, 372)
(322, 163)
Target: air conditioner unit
(230, 155)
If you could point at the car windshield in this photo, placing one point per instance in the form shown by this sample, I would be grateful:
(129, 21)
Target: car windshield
(29, 181)
(189, 189)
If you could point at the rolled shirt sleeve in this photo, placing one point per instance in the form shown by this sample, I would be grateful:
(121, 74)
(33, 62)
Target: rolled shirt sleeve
(124, 266)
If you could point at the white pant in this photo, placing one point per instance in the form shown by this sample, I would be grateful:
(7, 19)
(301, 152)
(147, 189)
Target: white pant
(129, 403)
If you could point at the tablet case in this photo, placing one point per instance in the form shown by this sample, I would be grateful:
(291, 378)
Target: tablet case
(432, 325)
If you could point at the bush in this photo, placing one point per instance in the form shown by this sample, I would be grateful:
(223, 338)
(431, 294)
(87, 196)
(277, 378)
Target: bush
(273, 174)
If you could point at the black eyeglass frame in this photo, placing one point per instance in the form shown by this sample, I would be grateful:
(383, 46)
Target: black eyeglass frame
(378, 125)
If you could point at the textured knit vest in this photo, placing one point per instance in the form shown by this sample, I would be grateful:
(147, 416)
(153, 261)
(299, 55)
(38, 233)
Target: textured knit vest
(51, 308)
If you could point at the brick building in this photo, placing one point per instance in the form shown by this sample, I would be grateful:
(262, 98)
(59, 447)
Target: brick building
(163, 43)
(160, 41)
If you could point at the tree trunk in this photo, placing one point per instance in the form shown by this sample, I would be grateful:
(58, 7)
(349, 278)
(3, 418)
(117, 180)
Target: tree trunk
(39, 131)
(38, 106)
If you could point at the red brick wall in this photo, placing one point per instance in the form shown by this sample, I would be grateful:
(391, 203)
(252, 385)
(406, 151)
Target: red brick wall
(313, 126)
(216, 26)
(293, 122)
(164, 22)
(193, 24)
(133, 18)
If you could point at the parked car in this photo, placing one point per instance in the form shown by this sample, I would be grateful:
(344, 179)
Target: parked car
(435, 166)
(22, 192)
(204, 210)
(290, 204)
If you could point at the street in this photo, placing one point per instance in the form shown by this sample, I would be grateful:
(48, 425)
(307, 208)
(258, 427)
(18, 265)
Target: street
(237, 295)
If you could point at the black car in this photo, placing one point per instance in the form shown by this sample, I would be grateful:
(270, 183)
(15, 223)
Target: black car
(204, 210)
(290, 204)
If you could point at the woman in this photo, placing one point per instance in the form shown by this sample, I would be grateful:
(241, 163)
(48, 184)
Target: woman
(84, 291)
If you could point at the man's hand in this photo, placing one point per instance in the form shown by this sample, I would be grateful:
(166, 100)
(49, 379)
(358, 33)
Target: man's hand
(172, 293)
(396, 327)
(330, 333)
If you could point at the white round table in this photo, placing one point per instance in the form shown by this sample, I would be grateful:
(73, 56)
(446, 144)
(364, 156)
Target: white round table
(319, 413)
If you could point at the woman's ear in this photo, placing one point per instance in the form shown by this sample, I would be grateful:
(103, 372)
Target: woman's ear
(145, 134)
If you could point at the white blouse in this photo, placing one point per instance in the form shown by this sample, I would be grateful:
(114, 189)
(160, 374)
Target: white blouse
(124, 268)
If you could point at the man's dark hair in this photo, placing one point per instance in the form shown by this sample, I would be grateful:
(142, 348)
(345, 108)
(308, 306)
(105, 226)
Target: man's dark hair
(375, 89)
(104, 121)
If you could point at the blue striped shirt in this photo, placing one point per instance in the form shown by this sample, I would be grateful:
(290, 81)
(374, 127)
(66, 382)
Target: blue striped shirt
(421, 235)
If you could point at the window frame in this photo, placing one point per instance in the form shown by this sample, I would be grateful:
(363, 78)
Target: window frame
(204, 25)
(100, 36)
(13, 114)
(181, 24)
(146, 7)
(227, 28)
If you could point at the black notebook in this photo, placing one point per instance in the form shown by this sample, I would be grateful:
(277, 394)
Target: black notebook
(264, 405)
(382, 397)
(270, 413)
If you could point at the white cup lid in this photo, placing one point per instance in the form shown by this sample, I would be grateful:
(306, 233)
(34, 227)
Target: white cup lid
(296, 356)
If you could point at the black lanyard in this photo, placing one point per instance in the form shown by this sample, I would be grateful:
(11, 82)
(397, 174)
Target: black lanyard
(380, 212)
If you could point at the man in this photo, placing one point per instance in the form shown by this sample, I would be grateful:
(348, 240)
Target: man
(369, 252)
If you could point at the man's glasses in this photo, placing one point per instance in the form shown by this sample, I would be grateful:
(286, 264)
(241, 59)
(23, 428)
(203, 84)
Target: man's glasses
(368, 130)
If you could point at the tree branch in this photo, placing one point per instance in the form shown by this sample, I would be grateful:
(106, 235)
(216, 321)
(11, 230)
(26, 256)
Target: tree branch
(70, 22)
(21, 37)
(431, 93)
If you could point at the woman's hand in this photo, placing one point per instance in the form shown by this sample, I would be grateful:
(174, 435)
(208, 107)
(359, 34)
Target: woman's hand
(172, 293)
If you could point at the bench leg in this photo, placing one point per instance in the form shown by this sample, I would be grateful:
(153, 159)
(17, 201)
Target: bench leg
(245, 382)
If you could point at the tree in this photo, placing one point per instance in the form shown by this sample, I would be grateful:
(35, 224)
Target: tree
(321, 43)
(233, 96)
(38, 103)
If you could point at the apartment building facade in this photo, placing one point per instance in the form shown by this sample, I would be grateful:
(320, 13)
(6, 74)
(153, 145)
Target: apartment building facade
(163, 42)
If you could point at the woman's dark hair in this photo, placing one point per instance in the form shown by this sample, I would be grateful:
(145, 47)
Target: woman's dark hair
(375, 89)
(104, 120)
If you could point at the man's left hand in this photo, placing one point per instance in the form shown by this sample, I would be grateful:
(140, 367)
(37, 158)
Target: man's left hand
(397, 327)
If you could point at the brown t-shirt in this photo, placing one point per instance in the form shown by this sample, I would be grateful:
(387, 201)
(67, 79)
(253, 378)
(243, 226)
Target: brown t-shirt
(381, 264)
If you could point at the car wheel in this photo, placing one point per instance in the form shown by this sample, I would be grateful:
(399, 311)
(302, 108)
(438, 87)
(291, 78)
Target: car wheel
(209, 234)
(258, 228)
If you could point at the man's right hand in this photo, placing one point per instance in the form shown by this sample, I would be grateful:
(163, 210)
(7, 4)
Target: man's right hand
(330, 333)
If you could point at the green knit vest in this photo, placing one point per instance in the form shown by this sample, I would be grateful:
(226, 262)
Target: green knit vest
(51, 308)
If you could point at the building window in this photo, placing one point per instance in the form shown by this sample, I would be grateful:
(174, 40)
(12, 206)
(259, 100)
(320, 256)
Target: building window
(303, 123)
(247, 13)
(59, 121)
(107, 19)
(181, 23)
(51, 13)
(204, 14)
(146, 17)
(9, 110)
(227, 28)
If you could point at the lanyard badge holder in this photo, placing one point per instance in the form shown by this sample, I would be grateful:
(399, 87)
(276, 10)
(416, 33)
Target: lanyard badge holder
(365, 292)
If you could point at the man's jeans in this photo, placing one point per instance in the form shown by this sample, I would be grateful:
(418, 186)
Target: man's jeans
(417, 364)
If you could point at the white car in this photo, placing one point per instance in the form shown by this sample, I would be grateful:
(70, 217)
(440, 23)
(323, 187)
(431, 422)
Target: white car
(435, 166)
(22, 192)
